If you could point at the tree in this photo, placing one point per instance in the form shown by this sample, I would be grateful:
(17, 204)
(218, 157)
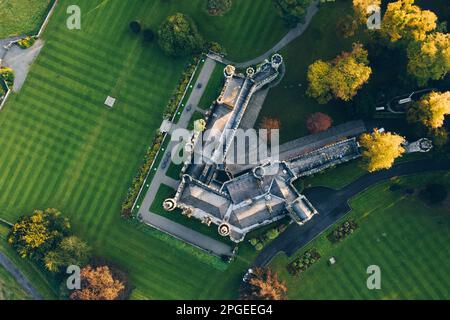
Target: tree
(218, 7)
(430, 110)
(405, 21)
(270, 124)
(363, 106)
(380, 149)
(340, 78)
(318, 122)
(360, 8)
(263, 284)
(149, 35)
(439, 136)
(135, 26)
(434, 193)
(98, 284)
(71, 251)
(429, 59)
(318, 78)
(35, 235)
(178, 36)
(292, 11)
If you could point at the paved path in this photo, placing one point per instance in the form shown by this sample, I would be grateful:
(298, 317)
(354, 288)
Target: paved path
(333, 205)
(20, 61)
(288, 38)
(20, 278)
(175, 229)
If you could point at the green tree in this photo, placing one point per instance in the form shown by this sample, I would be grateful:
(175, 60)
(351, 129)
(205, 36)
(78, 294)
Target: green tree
(340, 78)
(33, 236)
(70, 251)
(178, 36)
(380, 149)
(405, 21)
(430, 58)
(292, 11)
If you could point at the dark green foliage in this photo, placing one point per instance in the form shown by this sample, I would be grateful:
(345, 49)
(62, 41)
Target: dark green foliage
(34, 235)
(7, 74)
(363, 106)
(303, 262)
(292, 11)
(218, 7)
(342, 231)
(133, 192)
(264, 239)
(434, 193)
(181, 88)
(178, 36)
(135, 26)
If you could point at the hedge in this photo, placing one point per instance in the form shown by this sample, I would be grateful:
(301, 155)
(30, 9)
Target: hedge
(138, 181)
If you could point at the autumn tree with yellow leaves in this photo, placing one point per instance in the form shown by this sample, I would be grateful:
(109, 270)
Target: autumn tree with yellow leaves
(33, 236)
(380, 149)
(405, 21)
(340, 78)
(98, 283)
(263, 285)
(430, 58)
(430, 110)
(360, 8)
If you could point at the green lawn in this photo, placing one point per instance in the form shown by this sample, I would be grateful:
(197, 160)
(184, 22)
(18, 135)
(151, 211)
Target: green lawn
(165, 192)
(407, 239)
(44, 284)
(22, 17)
(288, 101)
(61, 147)
(213, 88)
(9, 288)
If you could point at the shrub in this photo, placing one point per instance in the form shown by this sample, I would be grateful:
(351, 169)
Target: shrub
(272, 234)
(342, 231)
(318, 122)
(218, 7)
(135, 26)
(26, 43)
(253, 241)
(149, 35)
(136, 185)
(181, 88)
(303, 262)
(7, 74)
(259, 246)
(178, 36)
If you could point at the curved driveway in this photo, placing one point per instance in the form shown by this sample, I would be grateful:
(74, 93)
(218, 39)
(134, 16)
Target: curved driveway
(333, 205)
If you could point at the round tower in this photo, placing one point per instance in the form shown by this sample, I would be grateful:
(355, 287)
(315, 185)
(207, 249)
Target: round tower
(169, 204)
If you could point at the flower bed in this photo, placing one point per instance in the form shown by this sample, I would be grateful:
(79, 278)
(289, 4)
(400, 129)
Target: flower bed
(7, 74)
(138, 181)
(302, 263)
(178, 95)
(342, 231)
(264, 239)
(26, 43)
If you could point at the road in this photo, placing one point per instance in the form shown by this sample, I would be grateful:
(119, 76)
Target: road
(333, 205)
